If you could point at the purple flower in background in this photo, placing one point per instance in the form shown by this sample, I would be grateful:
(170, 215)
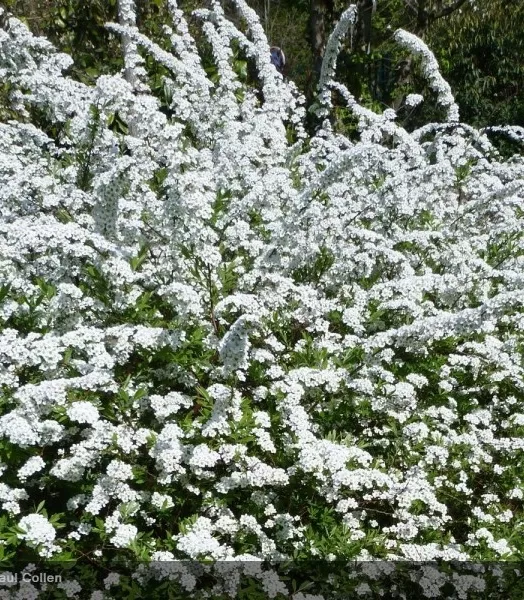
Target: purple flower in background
(278, 58)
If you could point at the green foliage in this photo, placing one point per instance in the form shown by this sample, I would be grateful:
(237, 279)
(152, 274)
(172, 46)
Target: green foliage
(480, 52)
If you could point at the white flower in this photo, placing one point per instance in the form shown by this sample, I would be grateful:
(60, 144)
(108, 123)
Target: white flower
(83, 412)
(111, 579)
(70, 587)
(33, 465)
(119, 470)
(164, 406)
(124, 535)
(161, 501)
(19, 430)
(38, 531)
(413, 99)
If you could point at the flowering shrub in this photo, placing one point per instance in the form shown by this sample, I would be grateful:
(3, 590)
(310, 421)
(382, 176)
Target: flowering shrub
(225, 339)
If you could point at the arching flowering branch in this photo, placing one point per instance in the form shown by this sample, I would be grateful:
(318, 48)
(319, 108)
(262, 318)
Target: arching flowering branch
(329, 62)
(133, 62)
(431, 71)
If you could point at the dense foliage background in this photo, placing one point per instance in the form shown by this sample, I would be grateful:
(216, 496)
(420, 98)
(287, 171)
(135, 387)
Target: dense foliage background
(250, 336)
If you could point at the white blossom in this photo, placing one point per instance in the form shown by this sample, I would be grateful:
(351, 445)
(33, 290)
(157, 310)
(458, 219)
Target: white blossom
(38, 532)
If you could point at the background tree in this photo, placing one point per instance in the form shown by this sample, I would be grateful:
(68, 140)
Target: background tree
(480, 51)
(321, 19)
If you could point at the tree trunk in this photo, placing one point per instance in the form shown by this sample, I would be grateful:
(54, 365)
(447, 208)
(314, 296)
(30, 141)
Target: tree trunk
(365, 10)
(422, 18)
(320, 22)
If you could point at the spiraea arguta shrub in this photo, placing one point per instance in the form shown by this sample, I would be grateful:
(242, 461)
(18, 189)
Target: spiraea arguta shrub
(225, 339)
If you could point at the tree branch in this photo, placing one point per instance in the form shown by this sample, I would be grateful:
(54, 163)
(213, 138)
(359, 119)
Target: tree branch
(447, 10)
(412, 4)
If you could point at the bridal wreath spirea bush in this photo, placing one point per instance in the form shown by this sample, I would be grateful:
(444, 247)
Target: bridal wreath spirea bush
(225, 339)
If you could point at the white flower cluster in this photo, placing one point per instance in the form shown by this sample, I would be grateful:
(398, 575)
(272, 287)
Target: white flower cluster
(33, 465)
(39, 532)
(124, 535)
(10, 498)
(83, 412)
